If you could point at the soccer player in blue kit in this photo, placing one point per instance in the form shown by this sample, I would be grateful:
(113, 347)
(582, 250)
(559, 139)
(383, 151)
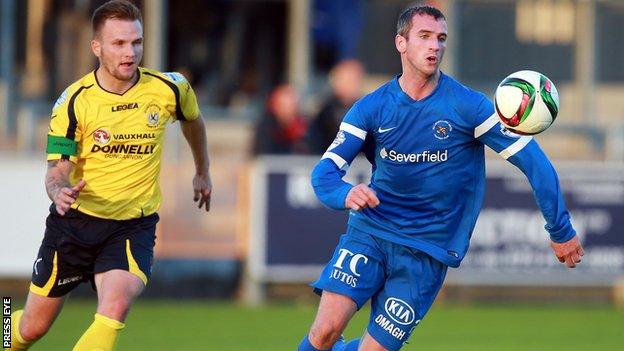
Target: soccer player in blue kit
(424, 134)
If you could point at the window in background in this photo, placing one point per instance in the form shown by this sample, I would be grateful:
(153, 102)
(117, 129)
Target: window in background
(233, 52)
(610, 41)
(498, 38)
(377, 49)
(358, 29)
(336, 29)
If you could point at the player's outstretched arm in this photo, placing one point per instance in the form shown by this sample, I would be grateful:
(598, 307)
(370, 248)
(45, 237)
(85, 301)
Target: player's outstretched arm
(59, 190)
(195, 134)
(569, 252)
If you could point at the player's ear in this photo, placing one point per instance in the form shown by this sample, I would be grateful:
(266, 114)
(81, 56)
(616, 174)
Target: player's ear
(401, 43)
(96, 47)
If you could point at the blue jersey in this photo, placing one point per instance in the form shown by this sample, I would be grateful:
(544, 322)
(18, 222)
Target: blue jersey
(428, 167)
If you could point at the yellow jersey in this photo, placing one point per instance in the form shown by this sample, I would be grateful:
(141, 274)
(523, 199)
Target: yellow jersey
(115, 140)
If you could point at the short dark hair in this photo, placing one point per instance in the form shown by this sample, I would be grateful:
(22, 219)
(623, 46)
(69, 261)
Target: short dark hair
(404, 23)
(118, 9)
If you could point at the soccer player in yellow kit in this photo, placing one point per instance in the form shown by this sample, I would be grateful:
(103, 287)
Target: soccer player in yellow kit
(104, 150)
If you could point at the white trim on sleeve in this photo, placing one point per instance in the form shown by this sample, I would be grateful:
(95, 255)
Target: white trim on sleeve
(351, 129)
(339, 161)
(515, 147)
(486, 125)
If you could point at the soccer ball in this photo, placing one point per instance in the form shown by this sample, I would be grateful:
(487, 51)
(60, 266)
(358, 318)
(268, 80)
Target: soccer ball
(526, 102)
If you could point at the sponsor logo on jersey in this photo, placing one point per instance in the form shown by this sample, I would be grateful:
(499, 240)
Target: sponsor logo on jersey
(340, 138)
(383, 130)
(122, 150)
(101, 136)
(123, 107)
(125, 149)
(400, 311)
(442, 129)
(153, 115)
(354, 259)
(134, 136)
(425, 156)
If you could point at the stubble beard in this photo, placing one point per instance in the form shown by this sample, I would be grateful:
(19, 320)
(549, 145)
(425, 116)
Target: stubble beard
(115, 73)
(113, 70)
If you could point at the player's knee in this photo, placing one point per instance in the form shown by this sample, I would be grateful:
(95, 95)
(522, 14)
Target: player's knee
(325, 334)
(116, 308)
(33, 331)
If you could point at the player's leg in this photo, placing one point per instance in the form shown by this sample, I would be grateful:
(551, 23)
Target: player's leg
(414, 280)
(352, 276)
(121, 271)
(57, 270)
(116, 289)
(333, 315)
(34, 321)
(368, 343)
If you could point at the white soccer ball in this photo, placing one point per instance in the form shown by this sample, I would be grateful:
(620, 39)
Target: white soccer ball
(526, 102)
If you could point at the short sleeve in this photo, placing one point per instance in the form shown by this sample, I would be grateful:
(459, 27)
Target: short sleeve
(188, 109)
(64, 132)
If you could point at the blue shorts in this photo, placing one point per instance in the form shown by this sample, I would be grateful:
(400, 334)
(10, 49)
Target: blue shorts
(401, 282)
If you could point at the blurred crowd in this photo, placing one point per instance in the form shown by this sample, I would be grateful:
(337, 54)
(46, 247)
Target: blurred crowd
(286, 128)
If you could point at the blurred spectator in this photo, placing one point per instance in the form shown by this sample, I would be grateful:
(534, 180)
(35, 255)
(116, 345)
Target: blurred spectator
(346, 83)
(282, 130)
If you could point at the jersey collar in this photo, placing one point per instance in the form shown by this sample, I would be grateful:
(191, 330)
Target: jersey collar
(110, 92)
(404, 97)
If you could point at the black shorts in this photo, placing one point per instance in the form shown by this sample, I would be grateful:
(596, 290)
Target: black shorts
(76, 246)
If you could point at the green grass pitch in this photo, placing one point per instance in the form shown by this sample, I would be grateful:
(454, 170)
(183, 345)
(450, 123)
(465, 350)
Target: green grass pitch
(197, 325)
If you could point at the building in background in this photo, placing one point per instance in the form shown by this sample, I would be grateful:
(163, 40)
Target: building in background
(236, 51)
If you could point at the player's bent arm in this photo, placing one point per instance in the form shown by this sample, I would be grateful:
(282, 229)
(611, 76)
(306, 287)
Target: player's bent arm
(328, 185)
(327, 175)
(194, 132)
(57, 177)
(59, 190)
(542, 176)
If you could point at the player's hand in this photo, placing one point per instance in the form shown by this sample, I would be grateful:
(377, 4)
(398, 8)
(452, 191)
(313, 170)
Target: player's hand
(569, 252)
(66, 196)
(360, 197)
(202, 186)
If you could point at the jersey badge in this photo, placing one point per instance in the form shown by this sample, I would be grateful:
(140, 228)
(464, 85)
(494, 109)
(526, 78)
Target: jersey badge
(153, 115)
(442, 129)
(340, 138)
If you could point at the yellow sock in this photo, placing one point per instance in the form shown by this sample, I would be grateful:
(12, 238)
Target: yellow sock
(17, 342)
(101, 335)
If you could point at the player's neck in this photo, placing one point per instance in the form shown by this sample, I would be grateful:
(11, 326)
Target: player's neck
(112, 84)
(418, 86)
